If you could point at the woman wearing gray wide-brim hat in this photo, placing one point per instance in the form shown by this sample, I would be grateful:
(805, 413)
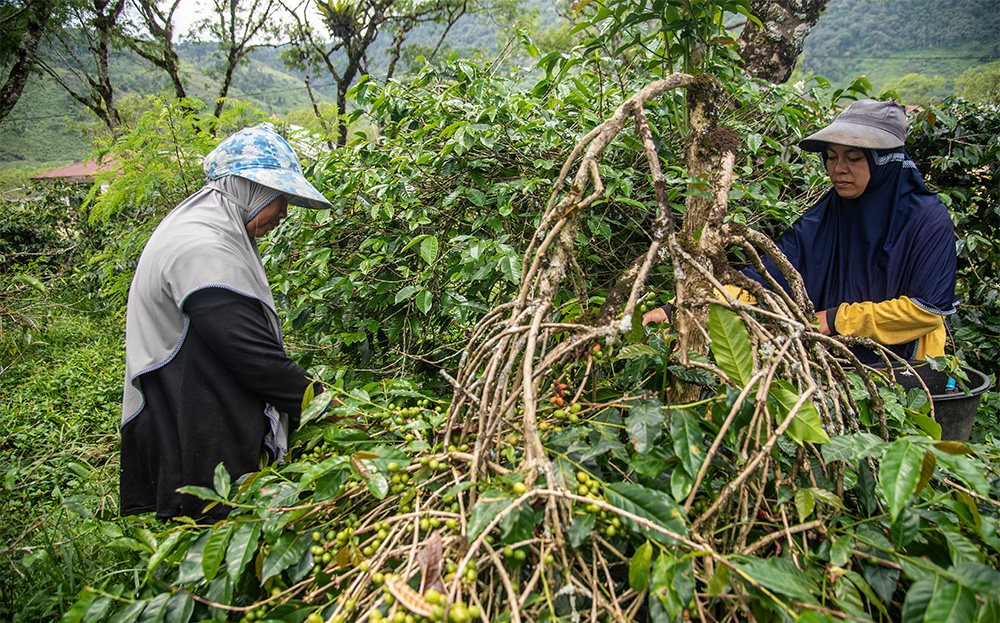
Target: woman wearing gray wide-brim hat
(877, 251)
(207, 380)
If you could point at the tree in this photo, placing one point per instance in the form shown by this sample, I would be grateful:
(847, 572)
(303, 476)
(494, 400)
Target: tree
(980, 84)
(354, 27)
(240, 28)
(770, 44)
(158, 48)
(30, 20)
(915, 88)
(79, 59)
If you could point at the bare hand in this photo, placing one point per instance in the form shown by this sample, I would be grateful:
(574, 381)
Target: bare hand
(655, 315)
(824, 326)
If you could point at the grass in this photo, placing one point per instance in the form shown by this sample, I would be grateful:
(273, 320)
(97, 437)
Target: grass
(59, 411)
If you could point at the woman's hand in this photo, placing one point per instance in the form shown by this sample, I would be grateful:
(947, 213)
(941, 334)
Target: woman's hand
(655, 315)
(824, 326)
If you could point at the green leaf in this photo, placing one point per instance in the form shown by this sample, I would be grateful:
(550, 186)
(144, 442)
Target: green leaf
(828, 497)
(477, 197)
(242, 547)
(215, 550)
(651, 504)
(961, 548)
(680, 483)
(979, 578)
(899, 473)
(76, 613)
(634, 350)
(950, 604)
(989, 612)
(425, 301)
(334, 464)
(842, 550)
(851, 447)
(730, 344)
(520, 524)
(807, 425)
(969, 503)
(285, 553)
(870, 597)
(510, 266)
(781, 576)
(405, 293)
(179, 609)
(905, 529)
(130, 613)
(581, 528)
(805, 502)
(638, 570)
(156, 610)
(429, 249)
(927, 424)
(918, 598)
(485, 510)
(317, 405)
(882, 580)
(671, 587)
(719, 582)
(956, 448)
(191, 570)
(32, 282)
(162, 552)
(927, 466)
(688, 437)
(307, 397)
(222, 481)
(645, 423)
(970, 471)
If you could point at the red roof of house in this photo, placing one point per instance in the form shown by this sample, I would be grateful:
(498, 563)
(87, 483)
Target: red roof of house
(78, 173)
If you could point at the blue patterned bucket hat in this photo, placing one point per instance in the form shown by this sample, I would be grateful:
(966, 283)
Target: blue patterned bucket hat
(260, 155)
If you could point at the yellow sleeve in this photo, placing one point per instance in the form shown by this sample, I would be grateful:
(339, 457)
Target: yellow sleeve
(895, 321)
(739, 294)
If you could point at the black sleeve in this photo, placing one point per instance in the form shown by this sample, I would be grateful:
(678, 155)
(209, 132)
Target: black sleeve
(236, 330)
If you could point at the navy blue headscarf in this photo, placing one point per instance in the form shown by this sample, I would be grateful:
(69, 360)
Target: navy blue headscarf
(895, 239)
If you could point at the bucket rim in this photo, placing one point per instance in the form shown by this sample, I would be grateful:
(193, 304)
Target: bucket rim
(984, 383)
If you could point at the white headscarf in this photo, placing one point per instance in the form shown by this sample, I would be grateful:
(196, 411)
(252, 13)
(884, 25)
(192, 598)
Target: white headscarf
(202, 243)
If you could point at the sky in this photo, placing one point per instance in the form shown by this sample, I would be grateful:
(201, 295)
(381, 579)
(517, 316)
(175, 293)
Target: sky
(190, 11)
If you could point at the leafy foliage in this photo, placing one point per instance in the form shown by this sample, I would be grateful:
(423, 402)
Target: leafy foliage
(435, 199)
(957, 147)
(980, 84)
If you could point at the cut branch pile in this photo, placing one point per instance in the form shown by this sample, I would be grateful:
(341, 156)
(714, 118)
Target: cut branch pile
(516, 350)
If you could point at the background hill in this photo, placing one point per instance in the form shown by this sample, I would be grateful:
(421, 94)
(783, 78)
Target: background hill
(885, 40)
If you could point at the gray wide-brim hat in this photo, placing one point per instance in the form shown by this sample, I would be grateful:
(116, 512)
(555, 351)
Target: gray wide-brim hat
(260, 155)
(866, 124)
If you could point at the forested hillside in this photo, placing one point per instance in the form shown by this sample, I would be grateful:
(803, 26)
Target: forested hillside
(884, 40)
(888, 39)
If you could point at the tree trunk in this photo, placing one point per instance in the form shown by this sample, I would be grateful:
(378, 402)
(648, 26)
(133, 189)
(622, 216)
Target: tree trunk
(710, 153)
(164, 56)
(105, 24)
(27, 48)
(769, 51)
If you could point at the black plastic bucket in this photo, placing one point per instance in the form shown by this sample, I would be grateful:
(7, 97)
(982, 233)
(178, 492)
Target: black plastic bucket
(955, 411)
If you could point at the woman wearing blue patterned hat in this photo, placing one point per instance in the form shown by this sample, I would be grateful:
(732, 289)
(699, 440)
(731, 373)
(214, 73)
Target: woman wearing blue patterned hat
(207, 380)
